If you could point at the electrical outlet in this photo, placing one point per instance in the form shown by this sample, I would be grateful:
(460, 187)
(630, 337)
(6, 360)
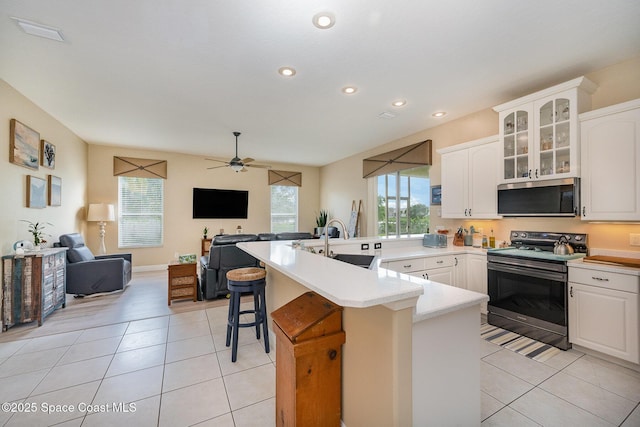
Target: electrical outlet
(634, 239)
(377, 246)
(364, 247)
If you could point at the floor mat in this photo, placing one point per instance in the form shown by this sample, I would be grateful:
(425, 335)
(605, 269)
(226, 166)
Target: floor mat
(533, 349)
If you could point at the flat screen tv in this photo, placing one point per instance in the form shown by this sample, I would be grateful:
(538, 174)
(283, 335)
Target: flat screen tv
(214, 203)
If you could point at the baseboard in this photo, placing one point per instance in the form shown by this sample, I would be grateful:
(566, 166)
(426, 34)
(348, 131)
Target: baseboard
(145, 268)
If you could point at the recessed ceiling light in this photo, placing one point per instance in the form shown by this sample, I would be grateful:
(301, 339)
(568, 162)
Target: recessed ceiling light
(39, 30)
(399, 103)
(324, 20)
(349, 90)
(287, 71)
(439, 114)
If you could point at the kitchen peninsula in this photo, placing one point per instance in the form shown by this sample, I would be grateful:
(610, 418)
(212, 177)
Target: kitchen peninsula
(411, 355)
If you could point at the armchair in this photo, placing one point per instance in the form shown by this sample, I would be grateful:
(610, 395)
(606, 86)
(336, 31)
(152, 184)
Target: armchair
(224, 256)
(88, 274)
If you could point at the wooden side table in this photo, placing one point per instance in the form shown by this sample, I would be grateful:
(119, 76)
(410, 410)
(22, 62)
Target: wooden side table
(183, 282)
(205, 246)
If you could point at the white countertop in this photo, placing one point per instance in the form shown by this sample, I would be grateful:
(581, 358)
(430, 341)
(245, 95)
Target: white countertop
(351, 286)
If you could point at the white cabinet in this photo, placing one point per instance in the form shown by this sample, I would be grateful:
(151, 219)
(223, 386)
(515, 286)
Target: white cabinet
(603, 312)
(469, 179)
(539, 133)
(477, 275)
(610, 144)
(446, 269)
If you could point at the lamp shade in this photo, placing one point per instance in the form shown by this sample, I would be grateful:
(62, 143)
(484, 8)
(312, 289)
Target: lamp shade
(101, 212)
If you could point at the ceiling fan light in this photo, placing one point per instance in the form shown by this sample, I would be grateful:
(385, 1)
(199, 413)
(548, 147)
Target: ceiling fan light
(236, 168)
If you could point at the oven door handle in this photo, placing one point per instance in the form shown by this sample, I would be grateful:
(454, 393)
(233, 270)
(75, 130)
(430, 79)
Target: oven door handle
(523, 271)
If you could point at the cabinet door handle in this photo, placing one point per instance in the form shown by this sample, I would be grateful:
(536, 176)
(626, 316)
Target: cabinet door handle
(600, 279)
(406, 266)
(584, 211)
(469, 211)
(426, 276)
(456, 264)
(571, 292)
(439, 262)
(529, 173)
(465, 212)
(536, 173)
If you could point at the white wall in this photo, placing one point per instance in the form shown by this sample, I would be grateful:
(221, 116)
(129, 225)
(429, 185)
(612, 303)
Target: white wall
(182, 232)
(342, 181)
(70, 165)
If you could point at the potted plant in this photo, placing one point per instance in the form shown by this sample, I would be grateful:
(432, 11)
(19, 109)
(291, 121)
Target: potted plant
(321, 223)
(205, 232)
(36, 230)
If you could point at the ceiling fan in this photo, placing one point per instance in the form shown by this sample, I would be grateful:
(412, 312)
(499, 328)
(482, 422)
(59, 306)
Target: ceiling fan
(237, 164)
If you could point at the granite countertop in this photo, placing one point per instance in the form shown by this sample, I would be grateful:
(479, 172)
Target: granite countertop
(351, 286)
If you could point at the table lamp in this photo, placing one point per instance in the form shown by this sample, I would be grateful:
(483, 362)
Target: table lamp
(101, 213)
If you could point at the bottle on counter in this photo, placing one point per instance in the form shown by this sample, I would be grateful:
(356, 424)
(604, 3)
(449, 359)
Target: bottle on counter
(492, 240)
(485, 242)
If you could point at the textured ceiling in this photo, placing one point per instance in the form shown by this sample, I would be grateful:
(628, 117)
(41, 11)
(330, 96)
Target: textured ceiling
(182, 75)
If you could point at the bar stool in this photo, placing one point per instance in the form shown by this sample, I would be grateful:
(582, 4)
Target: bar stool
(243, 280)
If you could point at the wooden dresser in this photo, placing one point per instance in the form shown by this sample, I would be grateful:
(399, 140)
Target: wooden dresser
(33, 285)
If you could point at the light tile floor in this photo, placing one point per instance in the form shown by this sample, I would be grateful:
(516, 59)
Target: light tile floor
(175, 370)
(172, 370)
(570, 389)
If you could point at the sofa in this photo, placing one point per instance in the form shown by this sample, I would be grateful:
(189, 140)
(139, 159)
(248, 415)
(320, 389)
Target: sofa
(88, 274)
(225, 256)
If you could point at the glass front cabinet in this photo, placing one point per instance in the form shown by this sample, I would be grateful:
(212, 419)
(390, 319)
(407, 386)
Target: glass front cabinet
(539, 132)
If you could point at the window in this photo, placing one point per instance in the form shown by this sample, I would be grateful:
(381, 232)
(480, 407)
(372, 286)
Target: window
(284, 208)
(140, 212)
(403, 202)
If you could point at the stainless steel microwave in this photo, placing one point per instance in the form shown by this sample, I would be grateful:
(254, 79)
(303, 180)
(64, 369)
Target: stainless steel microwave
(554, 197)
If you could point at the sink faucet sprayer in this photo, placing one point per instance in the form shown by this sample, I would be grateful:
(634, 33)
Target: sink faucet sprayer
(326, 234)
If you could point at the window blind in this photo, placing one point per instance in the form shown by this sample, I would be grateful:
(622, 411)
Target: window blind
(140, 212)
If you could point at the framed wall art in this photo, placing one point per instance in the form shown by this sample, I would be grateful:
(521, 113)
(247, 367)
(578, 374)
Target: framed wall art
(54, 184)
(24, 145)
(48, 154)
(436, 195)
(36, 192)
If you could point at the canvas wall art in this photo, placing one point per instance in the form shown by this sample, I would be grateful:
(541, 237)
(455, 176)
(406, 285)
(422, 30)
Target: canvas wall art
(48, 154)
(24, 145)
(55, 190)
(36, 192)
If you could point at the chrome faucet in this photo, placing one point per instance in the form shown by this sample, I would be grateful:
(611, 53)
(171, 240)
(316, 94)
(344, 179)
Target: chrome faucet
(326, 234)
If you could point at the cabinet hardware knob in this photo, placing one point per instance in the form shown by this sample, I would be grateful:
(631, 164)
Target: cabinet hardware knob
(332, 354)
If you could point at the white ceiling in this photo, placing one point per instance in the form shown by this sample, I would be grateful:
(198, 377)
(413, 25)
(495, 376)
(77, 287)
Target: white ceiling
(182, 75)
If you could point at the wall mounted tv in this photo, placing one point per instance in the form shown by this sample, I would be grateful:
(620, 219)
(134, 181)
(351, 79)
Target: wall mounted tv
(214, 203)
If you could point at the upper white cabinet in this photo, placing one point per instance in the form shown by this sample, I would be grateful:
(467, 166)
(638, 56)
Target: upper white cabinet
(610, 145)
(469, 179)
(539, 133)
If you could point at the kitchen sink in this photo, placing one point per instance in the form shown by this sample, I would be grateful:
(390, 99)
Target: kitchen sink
(364, 261)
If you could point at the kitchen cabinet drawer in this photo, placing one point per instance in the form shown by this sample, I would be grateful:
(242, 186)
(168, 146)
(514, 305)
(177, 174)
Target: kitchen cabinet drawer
(439, 262)
(605, 279)
(405, 265)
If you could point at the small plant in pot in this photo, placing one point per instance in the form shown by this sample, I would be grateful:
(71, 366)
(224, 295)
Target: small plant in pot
(205, 232)
(321, 223)
(37, 231)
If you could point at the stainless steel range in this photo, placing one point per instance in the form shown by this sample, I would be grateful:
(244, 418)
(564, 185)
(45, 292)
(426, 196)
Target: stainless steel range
(528, 285)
